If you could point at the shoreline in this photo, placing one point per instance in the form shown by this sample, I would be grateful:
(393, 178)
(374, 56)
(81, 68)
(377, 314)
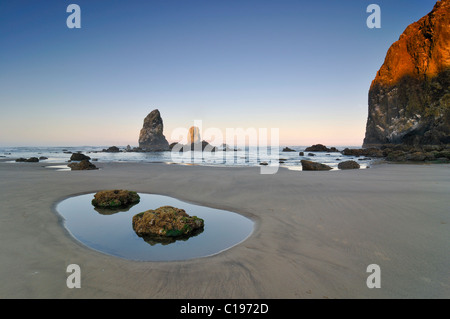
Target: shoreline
(314, 235)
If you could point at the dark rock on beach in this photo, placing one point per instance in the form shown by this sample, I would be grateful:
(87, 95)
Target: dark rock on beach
(28, 160)
(82, 165)
(314, 166)
(348, 165)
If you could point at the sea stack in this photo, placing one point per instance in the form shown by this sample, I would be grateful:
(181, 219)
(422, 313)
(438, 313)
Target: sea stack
(194, 135)
(151, 137)
(409, 99)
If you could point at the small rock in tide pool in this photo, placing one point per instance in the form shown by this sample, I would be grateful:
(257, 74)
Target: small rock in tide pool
(166, 221)
(115, 198)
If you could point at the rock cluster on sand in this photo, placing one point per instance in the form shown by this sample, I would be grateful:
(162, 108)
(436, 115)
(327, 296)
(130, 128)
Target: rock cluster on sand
(348, 165)
(405, 153)
(151, 137)
(166, 221)
(117, 198)
(314, 166)
(371, 152)
(82, 165)
(320, 148)
(409, 99)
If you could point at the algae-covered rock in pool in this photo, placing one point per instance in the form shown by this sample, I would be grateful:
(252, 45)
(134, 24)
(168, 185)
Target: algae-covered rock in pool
(348, 165)
(313, 166)
(166, 221)
(115, 198)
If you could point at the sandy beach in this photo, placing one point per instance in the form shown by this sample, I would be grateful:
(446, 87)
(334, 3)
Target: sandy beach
(315, 233)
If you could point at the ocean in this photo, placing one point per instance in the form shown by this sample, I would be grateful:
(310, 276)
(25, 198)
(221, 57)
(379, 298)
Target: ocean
(245, 156)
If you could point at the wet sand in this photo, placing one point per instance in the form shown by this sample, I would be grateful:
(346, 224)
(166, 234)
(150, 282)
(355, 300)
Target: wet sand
(315, 233)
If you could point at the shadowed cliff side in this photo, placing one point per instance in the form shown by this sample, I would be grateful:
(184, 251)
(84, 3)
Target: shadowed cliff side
(409, 99)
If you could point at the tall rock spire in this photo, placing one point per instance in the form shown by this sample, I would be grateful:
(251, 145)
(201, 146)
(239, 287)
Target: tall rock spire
(151, 137)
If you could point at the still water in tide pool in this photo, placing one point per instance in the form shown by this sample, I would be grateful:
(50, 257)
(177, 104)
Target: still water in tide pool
(111, 232)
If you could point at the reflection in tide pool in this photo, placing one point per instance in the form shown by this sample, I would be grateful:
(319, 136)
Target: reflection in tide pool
(111, 232)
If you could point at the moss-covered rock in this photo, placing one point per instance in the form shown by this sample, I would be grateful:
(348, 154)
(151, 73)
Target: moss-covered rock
(166, 221)
(83, 165)
(348, 165)
(313, 166)
(115, 198)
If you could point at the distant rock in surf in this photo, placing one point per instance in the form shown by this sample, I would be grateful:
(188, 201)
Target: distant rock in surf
(194, 143)
(112, 149)
(79, 157)
(320, 148)
(194, 135)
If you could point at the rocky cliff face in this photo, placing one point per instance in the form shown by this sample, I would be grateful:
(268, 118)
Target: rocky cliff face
(409, 99)
(151, 137)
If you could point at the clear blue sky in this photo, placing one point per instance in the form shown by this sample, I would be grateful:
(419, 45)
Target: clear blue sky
(304, 67)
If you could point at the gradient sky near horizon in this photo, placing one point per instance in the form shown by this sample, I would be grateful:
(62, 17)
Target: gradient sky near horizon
(304, 67)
